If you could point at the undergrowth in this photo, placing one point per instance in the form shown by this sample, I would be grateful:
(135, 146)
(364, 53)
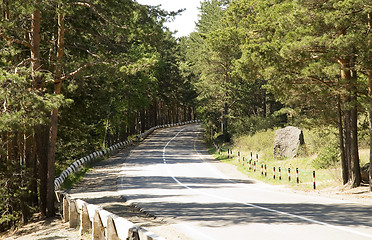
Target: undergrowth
(320, 154)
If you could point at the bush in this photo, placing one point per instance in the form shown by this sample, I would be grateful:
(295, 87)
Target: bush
(328, 157)
(254, 124)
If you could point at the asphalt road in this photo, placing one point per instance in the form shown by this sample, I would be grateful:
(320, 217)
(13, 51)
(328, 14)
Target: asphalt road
(172, 176)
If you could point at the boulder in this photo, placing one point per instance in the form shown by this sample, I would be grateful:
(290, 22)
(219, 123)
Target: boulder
(287, 142)
(364, 171)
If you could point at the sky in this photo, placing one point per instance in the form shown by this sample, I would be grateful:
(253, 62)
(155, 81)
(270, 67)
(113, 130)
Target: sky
(185, 23)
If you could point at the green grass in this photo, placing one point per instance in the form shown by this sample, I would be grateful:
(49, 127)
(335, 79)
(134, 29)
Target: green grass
(324, 177)
(261, 143)
(74, 178)
(364, 156)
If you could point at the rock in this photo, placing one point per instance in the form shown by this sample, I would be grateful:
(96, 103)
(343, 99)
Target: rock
(287, 142)
(364, 171)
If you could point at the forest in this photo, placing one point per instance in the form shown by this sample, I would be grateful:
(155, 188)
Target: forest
(78, 76)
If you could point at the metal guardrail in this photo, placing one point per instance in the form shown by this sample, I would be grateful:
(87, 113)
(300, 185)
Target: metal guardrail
(78, 164)
(92, 218)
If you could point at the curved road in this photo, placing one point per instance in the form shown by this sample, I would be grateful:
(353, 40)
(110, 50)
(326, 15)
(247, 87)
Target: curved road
(171, 175)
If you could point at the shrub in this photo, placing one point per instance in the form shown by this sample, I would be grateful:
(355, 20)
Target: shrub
(328, 157)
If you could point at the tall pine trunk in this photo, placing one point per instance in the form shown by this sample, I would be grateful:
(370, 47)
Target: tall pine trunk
(54, 117)
(35, 50)
(369, 27)
(370, 128)
(41, 134)
(356, 177)
(224, 122)
(348, 77)
(344, 162)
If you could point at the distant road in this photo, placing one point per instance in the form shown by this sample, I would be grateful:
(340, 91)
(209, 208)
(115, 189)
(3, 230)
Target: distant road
(172, 176)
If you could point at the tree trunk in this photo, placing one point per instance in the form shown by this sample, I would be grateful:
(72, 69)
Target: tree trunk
(349, 78)
(224, 122)
(54, 117)
(355, 166)
(35, 50)
(5, 9)
(347, 140)
(369, 27)
(344, 163)
(41, 136)
(370, 129)
(356, 177)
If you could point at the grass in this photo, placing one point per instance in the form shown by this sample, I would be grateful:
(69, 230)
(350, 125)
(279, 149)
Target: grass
(74, 178)
(324, 177)
(262, 144)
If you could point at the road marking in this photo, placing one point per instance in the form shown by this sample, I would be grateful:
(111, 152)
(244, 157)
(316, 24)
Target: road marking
(254, 205)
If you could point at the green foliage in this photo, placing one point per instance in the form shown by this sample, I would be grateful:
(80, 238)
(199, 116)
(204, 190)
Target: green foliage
(329, 157)
(261, 142)
(120, 74)
(254, 124)
(21, 108)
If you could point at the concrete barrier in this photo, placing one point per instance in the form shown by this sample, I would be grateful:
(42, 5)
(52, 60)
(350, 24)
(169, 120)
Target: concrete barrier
(102, 224)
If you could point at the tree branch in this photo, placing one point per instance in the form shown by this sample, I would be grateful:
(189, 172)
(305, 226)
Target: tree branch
(72, 74)
(27, 44)
(327, 84)
(86, 4)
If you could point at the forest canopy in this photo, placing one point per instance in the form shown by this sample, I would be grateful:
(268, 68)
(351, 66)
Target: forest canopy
(78, 76)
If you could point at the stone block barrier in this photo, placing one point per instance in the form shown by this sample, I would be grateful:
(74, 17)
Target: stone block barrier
(101, 224)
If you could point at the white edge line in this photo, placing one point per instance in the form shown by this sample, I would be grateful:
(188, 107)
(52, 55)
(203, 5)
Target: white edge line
(253, 205)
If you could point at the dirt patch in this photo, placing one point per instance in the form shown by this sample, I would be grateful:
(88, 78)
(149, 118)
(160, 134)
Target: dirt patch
(43, 229)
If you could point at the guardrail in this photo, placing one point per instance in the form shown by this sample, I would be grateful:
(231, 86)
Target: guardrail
(101, 223)
(92, 218)
(78, 164)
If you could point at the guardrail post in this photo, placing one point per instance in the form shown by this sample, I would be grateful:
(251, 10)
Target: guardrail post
(85, 224)
(73, 214)
(111, 229)
(98, 231)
